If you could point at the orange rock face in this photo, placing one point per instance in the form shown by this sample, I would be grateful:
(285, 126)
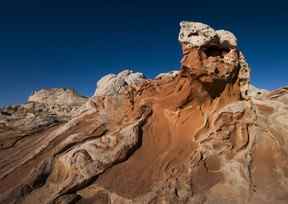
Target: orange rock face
(196, 136)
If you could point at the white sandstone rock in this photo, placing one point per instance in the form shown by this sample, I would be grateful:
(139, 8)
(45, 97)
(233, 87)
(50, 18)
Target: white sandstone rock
(196, 34)
(59, 96)
(226, 38)
(168, 74)
(112, 84)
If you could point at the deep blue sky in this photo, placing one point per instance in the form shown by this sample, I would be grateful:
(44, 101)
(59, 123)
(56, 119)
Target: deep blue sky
(73, 43)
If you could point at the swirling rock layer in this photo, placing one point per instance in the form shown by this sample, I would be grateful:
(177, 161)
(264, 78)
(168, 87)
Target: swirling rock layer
(199, 135)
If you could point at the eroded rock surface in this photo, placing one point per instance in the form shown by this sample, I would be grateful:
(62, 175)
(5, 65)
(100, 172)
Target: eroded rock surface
(199, 135)
(115, 84)
(44, 109)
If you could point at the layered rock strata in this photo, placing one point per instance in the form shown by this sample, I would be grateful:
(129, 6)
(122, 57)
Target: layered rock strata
(200, 135)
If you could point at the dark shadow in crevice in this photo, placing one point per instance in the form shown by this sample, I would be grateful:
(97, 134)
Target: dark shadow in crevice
(215, 51)
(216, 88)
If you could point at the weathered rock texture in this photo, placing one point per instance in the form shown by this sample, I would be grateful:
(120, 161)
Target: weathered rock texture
(44, 109)
(199, 135)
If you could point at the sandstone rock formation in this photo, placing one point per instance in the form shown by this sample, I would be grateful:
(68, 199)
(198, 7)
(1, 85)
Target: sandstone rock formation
(111, 84)
(44, 109)
(58, 96)
(200, 135)
(171, 74)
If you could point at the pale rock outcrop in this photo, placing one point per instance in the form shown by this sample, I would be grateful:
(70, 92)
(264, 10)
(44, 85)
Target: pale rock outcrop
(59, 101)
(57, 96)
(45, 108)
(226, 38)
(196, 34)
(112, 84)
(171, 74)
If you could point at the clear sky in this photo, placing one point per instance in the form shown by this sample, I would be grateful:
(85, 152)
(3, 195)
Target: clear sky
(73, 43)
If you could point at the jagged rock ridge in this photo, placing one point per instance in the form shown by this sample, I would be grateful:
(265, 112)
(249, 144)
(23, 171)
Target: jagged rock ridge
(199, 135)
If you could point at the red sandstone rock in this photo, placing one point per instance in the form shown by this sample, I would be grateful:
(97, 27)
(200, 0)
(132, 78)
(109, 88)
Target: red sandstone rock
(199, 135)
